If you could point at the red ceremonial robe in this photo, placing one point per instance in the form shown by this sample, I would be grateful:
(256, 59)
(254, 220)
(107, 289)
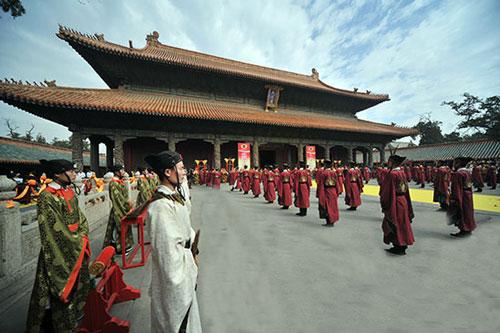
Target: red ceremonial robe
(256, 183)
(477, 177)
(397, 208)
(270, 194)
(245, 182)
(461, 209)
(340, 175)
(331, 187)
(302, 185)
(216, 180)
(441, 186)
(353, 188)
(286, 188)
(366, 174)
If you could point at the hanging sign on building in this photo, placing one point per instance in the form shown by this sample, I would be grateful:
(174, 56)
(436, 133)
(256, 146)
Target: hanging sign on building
(311, 156)
(243, 154)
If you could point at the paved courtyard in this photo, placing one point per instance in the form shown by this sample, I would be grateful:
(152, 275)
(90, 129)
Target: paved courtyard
(266, 270)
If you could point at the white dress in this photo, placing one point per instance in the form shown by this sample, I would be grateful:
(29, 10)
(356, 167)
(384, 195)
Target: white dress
(173, 270)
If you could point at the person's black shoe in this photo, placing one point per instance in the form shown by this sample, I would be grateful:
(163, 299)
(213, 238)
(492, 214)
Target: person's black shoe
(461, 234)
(352, 208)
(396, 251)
(300, 214)
(479, 190)
(328, 225)
(284, 207)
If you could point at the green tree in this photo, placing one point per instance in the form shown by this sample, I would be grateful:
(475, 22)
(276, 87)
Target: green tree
(429, 130)
(40, 138)
(453, 137)
(15, 7)
(480, 115)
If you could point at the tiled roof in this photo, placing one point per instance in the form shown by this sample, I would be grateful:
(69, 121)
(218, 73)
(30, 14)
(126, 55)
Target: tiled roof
(478, 149)
(162, 53)
(162, 104)
(14, 151)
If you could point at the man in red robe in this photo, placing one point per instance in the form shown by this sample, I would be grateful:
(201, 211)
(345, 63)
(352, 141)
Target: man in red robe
(255, 186)
(477, 177)
(302, 184)
(286, 187)
(461, 209)
(491, 176)
(331, 187)
(270, 179)
(340, 176)
(421, 176)
(245, 180)
(367, 174)
(397, 208)
(353, 188)
(441, 186)
(216, 179)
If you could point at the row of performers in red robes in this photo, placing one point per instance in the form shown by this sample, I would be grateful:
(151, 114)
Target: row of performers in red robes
(287, 185)
(420, 174)
(453, 189)
(211, 178)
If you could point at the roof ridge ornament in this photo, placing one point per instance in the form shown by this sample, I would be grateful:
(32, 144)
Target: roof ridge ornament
(100, 37)
(315, 74)
(152, 39)
(50, 83)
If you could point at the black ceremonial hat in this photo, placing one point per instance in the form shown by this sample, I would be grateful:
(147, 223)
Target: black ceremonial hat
(463, 160)
(397, 159)
(163, 160)
(52, 167)
(116, 167)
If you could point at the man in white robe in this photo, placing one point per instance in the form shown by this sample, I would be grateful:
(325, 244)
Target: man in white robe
(174, 268)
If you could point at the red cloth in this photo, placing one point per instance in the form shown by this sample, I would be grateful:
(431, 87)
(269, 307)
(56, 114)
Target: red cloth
(353, 188)
(256, 183)
(491, 176)
(216, 179)
(203, 175)
(302, 184)
(367, 174)
(397, 209)
(340, 175)
(66, 193)
(330, 195)
(286, 188)
(270, 193)
(461, 209)
(408, 172)
(245, 181)
(442, 185)
(477, 177)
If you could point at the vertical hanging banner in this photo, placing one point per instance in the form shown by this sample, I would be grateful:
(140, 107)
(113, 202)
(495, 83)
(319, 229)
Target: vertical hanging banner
(243, 154)
(311, 157)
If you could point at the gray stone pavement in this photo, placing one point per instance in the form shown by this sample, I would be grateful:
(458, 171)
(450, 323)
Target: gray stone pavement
(266, 270)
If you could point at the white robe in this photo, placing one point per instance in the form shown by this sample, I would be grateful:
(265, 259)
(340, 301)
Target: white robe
(173, 270)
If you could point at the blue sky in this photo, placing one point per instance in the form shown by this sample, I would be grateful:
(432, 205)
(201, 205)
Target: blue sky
(420, 53)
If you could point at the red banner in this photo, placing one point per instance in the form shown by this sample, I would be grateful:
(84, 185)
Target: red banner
(243, 154)
(311, 156)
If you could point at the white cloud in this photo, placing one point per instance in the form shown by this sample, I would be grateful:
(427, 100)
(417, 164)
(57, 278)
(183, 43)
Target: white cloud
(421, 53)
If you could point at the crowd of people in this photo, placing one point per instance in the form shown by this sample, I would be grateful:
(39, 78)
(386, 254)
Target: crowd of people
(453, 186)
(63, 279)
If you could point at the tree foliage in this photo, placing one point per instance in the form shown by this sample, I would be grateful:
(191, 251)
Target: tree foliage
(430, 130)
(15, 7)
(483, 116)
